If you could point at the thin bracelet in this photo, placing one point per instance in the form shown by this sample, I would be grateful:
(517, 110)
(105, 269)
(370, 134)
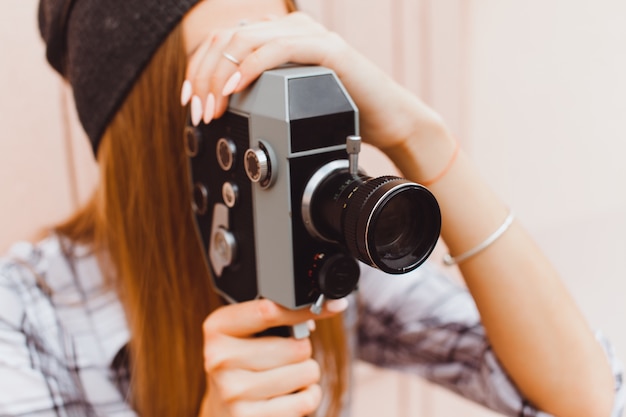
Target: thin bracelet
(444, 171)
(450, 260)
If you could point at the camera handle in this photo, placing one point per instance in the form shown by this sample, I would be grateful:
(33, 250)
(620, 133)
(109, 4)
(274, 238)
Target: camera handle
(298, 331)
(316, 307)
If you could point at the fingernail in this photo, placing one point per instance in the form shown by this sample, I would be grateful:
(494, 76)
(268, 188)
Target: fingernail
(337, 306)
(231, 84)
(185, 93)
(311, 325)
(196, 110)
(209, 110)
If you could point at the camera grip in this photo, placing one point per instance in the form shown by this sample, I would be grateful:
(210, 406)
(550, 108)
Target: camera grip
(298, 331)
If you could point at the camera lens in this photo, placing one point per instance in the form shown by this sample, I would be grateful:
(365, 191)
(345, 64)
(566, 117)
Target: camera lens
(387, 222)
(392, 223)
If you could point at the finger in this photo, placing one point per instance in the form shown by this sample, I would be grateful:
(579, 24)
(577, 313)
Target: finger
(203, 74)
(195, 58)
(254, 354)
(238, 385)
(247, 39)
(251, 317)
(226, 74)
(314, 50)
(299, 404)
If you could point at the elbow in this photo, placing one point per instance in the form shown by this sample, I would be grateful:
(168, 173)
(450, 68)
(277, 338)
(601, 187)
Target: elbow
(590, 399)
(598, 406)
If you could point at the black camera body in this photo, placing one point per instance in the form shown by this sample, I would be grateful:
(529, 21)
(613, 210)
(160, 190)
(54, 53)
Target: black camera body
(281, 207)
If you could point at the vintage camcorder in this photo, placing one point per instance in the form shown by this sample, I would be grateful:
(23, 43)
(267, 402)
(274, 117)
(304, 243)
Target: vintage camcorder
(281, 206)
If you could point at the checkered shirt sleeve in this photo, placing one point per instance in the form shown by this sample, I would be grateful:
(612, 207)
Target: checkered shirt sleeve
(427, 324)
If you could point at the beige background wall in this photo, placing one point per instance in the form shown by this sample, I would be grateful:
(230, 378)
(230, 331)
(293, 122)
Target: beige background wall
(534, 91)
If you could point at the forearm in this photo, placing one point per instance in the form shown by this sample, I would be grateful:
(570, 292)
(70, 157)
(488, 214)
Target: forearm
(533, 324)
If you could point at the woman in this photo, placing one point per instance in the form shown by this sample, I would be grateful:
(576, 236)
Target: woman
(113, 313)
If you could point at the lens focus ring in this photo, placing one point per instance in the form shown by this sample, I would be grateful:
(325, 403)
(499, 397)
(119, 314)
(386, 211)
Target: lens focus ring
(356, 241)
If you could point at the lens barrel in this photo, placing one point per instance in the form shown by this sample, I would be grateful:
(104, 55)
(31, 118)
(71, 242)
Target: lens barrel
(387, 222)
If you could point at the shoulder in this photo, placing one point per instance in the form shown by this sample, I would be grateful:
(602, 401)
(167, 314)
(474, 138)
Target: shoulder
(53, 291)
(49, 266)
(53, 284)
(20, 281)
(61, 328)
(29, 275)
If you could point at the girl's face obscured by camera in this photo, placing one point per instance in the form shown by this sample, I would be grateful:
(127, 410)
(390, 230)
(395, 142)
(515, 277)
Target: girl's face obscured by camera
(212, 15)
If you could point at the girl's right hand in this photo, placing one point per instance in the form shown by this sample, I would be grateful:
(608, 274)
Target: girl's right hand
(389, 114)
(266, 376)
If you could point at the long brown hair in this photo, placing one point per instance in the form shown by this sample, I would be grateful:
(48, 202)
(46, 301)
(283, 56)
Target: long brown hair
(140, 223)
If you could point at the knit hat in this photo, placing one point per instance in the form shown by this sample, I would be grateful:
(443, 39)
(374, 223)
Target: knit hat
(102, 46)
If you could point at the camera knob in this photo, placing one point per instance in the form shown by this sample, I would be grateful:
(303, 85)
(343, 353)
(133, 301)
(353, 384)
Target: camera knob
(337, 274)
(193, 141)
(223, 250)
(258, 165)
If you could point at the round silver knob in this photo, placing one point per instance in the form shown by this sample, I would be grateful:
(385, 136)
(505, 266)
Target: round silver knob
(224, 248)
(257, 164)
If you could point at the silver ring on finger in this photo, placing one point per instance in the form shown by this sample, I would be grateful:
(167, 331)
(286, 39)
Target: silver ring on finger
(231, 58)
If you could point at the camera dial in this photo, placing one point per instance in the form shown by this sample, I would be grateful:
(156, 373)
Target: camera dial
(336, 275)
(226, 151)
(259, 163)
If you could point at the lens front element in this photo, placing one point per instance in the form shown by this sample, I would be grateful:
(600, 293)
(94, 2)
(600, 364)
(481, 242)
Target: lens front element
(392, 224)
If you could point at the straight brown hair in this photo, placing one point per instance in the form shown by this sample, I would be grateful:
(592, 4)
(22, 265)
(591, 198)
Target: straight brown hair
(140, 224)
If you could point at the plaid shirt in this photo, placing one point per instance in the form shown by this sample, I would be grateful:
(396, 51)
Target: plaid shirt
(63, 336)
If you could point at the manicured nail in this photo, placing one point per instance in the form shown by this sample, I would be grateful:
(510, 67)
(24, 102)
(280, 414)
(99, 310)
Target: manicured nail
(209, 109)
(311, 325)
(337, 306)
(185, 93)
(231, 84)
(196, 110)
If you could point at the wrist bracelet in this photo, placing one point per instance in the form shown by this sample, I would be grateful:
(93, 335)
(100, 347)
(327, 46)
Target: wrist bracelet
(450, 260)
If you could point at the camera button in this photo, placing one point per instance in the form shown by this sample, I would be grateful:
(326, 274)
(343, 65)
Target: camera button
(193, 141)
(230, 194)
(225, 152)
(200, 199)
(224, 247)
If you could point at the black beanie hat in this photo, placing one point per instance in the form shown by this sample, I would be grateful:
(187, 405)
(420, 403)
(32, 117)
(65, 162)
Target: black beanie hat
(102, 46)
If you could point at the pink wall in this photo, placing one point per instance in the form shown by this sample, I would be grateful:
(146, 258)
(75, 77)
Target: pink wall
(534, 90)
(39, 180)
